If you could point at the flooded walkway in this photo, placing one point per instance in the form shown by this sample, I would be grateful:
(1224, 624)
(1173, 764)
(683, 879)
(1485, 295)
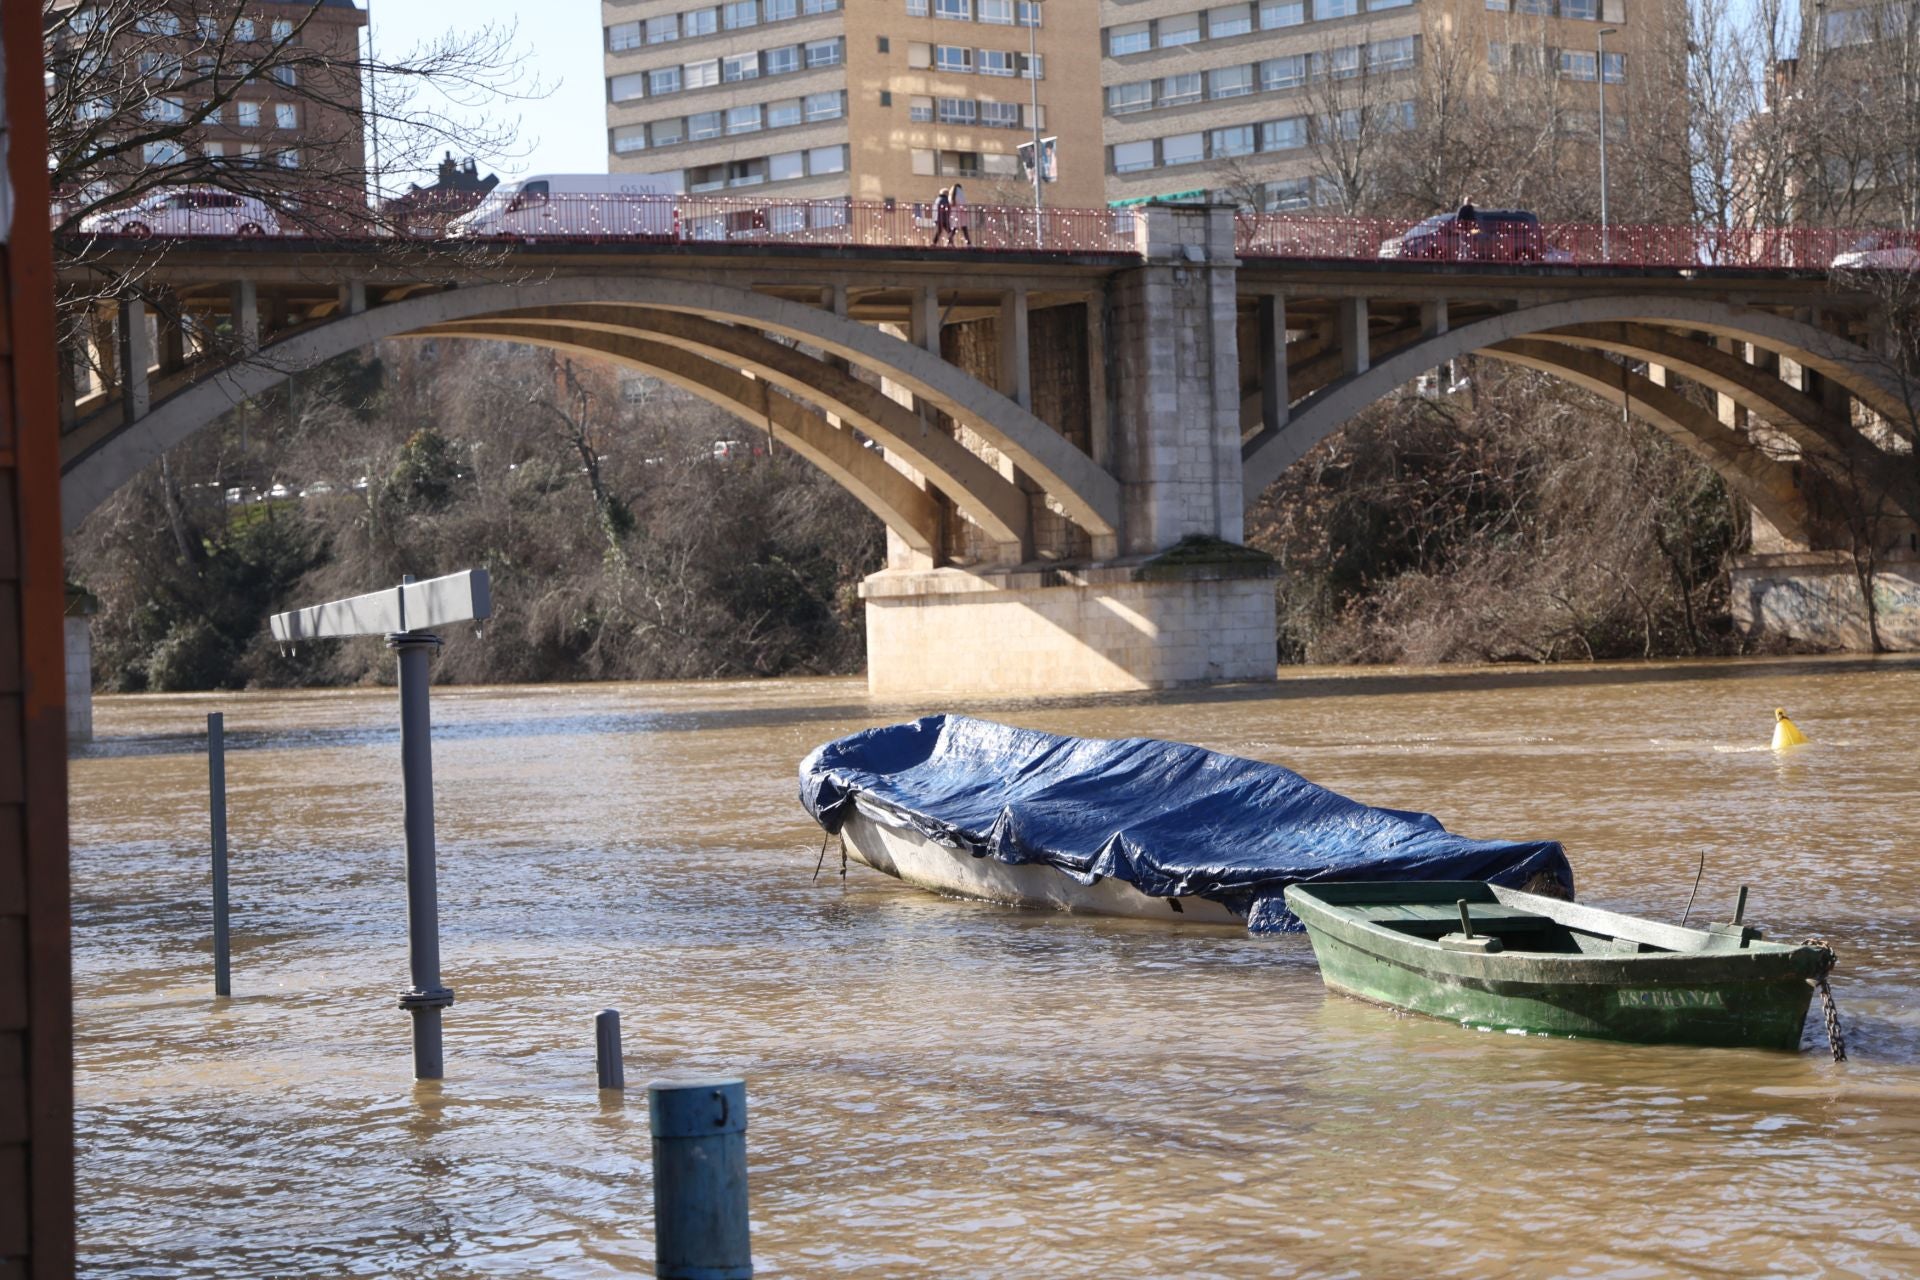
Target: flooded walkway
(943, 1088)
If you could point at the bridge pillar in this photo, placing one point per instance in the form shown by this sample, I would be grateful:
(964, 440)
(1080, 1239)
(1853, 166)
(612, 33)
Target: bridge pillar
(135, 357)
(1170, 599)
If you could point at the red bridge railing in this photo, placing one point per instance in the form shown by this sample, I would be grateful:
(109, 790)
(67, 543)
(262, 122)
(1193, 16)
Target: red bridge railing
(745, 220)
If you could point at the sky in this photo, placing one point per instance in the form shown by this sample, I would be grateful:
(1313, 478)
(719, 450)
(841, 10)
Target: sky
(563, 132)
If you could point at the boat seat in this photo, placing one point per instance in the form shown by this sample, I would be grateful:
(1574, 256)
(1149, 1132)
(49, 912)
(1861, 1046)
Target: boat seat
(1432, 919)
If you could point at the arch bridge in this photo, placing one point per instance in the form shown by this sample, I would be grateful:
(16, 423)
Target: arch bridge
(1050, 423)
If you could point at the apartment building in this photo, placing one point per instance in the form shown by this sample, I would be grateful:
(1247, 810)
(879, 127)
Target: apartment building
(1231, 101)
(805, 99)
(302, 116)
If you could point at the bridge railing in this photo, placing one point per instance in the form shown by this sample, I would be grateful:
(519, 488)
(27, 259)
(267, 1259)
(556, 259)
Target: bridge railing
(1271, 235)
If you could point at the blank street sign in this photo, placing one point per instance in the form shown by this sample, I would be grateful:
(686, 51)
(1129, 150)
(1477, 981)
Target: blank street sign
(412, 606)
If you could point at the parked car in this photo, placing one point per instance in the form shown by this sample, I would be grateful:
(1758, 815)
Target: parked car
(1492, 235)
(1881, 251)
(188, 211)
(576, 204)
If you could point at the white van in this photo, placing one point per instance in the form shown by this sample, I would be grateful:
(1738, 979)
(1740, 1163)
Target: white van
(576, 204)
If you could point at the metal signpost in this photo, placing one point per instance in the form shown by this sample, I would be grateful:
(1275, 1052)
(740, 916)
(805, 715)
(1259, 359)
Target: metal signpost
(404, 615)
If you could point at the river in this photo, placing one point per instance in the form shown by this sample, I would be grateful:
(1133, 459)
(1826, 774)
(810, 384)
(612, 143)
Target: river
(946, 1088)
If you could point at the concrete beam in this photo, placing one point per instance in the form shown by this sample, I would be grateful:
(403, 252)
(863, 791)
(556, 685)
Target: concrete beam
(1355, 351)
(1016, 366)
(1274, 399)
(244, 308)
(134, 359)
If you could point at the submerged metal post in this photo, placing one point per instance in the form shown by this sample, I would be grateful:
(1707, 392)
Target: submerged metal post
(428, 995)
(700, 1179)
(217, 820)
(606, 1049)
(1740, 907)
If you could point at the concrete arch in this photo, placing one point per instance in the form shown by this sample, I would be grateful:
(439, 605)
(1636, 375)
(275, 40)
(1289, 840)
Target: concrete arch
(1765, 483)
(987, 497)
(1269, 453)
(101, 455)
(903, 506)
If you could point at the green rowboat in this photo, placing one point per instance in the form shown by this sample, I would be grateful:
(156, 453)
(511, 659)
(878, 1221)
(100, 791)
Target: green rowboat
(1522, 962)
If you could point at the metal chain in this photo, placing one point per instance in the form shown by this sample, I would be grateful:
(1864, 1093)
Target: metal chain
(1835, 1039)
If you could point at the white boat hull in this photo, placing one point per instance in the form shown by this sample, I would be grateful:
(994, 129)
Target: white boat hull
(909, 856)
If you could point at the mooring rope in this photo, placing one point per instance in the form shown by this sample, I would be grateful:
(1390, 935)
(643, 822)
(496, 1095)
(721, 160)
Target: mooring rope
(824, 837)
(1835, 1039)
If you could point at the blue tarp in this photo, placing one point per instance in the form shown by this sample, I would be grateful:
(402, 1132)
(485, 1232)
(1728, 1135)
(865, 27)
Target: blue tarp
(1172, 820)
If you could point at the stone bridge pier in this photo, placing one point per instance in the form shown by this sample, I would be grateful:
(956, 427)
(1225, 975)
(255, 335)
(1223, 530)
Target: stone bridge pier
(1142, 375)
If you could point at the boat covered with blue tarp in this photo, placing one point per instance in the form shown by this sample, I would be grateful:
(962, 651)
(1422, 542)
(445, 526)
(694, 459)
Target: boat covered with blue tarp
(973, 807)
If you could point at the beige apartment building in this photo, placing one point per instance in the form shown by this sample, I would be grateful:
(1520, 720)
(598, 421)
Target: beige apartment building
(805, 99)
(1230, 101)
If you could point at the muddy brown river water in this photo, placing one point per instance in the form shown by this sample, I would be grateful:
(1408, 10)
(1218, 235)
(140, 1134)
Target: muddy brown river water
(944, 1088)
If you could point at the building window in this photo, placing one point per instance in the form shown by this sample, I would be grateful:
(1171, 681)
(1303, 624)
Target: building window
(1028, 13)
(700, 22)
(1000, 115)
(209, 28)
(783, 60)
(1324, 9)
(288, 159)
(1282, 13)
(1614, 67)
(163, 153)
(1236, 141)
(823, 53)
(827, 160)
(1176, 90)
(629, 137)
(165, 110)
(1122, 98)
(1292, 193)
(1184, 29)
(247, 115)
(243, 28)
(740, 66)
(1583, 10)
(743, 119)
(1131, 157)
(1289, 72)
(958, 10)
(1032, 67)
(1230, 20)
(1134, 37)
(702, 125)
(1499, 61)
(667, 133)
(1284, 135)
(783, 114)
(952, 57)
(736, 14)
(623, 36)
(700, 75)
(660, 30)
(920, 110)
(818, 6)
(996, 13)
(780, 10)
(1337, 64)
(916, 8)
(1497, 6)
(659, 81)
(786, 166)
(1577, 64)
(824, 106)
(1390, 55)
(996, 62)
(886, 97)
(286, 115)
(282, 30)
(955, 111)
(1184, 148)
(1229, 82)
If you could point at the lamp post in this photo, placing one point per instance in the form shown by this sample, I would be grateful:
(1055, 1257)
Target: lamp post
(1600, 81)
(1033, 80)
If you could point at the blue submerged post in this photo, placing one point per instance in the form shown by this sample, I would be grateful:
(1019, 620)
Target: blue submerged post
(700, 1179)
(606, 1049)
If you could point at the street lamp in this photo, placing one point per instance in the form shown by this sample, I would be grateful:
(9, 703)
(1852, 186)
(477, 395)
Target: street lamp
(1033, 79)
(1600, 81)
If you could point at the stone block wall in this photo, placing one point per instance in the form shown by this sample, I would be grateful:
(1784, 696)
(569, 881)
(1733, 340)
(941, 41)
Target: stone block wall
(79, 679)
(1814, 596)
(1059, 632)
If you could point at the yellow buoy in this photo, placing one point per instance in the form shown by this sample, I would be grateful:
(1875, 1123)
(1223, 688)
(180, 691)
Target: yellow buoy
(1785, 732)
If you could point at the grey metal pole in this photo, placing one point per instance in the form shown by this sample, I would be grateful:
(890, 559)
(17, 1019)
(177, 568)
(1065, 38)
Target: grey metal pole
(1600, 80)
(700, 1179)
(217, 820)
(1033, 79)
(606, 1049)
(429, 995)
